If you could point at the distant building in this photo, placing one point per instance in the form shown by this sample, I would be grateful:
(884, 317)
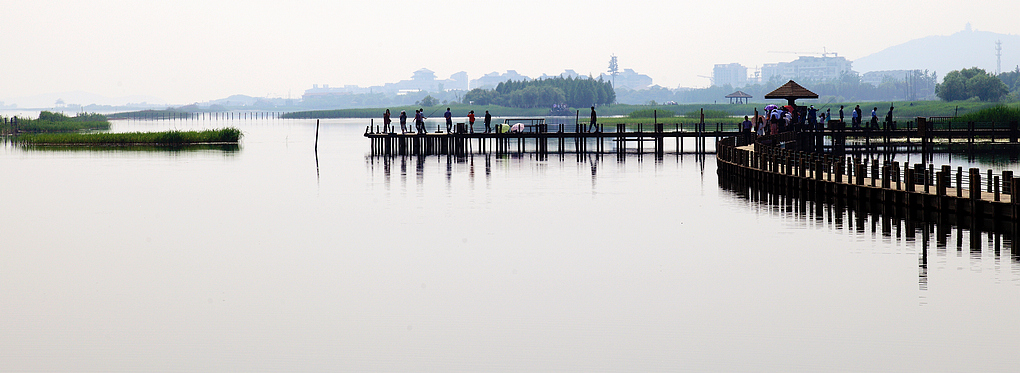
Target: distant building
(491, 80)
(877, 77)
(459, 81)
(565, 74)
(732, 74)
(628, 79)
(807, 68)
(326, 91)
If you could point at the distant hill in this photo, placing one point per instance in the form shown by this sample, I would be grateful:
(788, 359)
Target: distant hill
(942, 54)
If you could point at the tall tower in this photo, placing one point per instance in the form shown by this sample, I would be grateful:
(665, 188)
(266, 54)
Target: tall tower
(998, 57)
(613, 69)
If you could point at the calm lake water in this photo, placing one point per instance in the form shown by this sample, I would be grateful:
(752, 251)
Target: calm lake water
(266, 259)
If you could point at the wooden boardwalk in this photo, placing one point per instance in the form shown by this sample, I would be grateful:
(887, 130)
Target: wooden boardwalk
(654, 138)
(918, 135)
(771, 160)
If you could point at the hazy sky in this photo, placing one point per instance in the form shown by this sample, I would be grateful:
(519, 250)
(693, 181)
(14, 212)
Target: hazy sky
(191, 51)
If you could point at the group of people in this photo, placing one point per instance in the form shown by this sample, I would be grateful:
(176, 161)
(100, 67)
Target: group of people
(786, 118)
(419, 121)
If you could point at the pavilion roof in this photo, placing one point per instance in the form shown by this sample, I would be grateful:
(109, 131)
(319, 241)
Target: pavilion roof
(738, 94)
(791, 90)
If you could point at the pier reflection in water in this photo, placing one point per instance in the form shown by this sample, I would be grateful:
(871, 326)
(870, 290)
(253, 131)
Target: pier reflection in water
(975, 238)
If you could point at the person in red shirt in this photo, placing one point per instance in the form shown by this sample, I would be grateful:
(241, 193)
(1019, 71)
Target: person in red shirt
(471, 120)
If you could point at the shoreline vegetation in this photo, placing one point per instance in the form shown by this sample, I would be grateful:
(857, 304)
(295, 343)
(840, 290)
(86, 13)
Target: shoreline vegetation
(228, 135)
(152, 114)
(55, 122)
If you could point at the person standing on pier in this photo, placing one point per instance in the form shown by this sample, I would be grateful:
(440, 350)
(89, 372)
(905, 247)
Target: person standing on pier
(418, 122)
(812, 117)
(874, 118)
(386, 121)
(856, 118)
(888, 118)
(471, 120)
(594, 121)
(449, 120)
(746, 129)
(488, 122)
(841, 113)
(403, 121)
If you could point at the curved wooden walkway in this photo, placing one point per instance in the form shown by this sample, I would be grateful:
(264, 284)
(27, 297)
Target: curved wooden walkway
(771, 161)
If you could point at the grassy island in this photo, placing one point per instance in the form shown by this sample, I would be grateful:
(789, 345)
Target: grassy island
(167, 138)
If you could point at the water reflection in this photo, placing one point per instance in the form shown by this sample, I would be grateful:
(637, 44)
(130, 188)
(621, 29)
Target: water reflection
(451, 164)
(895, 226)
(225, 148)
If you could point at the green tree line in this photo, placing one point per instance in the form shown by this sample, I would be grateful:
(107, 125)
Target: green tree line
(570, 92)
(974, 83)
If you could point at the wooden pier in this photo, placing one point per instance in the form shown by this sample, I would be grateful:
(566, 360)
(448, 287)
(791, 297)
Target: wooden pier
(776, 162)
(921, 135)
(555, 139)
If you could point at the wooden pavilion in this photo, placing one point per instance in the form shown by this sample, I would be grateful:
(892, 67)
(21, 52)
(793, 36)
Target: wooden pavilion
(739, 95)
(791, 91)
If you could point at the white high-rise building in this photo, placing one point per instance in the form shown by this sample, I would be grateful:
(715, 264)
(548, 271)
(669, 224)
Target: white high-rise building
(804, 67)
(732, 74)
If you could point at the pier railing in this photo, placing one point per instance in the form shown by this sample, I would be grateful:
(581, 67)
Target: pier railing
(549, 138)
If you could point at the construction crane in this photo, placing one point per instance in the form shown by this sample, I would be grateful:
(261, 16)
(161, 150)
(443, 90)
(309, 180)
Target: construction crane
(823, 53)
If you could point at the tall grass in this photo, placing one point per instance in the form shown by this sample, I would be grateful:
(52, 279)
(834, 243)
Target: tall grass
(708, 114)
(652, 113)
(167, 138)
(998, 114)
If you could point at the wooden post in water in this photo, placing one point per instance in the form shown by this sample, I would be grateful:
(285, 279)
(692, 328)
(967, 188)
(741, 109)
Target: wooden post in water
(959, 181)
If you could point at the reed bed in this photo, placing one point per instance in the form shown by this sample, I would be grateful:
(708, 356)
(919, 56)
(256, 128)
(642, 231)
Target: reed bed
(167, 138)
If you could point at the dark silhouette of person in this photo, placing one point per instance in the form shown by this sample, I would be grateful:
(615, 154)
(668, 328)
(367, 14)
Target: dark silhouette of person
(488, 122)
(403, 121)
(594, 121)
(449, 120)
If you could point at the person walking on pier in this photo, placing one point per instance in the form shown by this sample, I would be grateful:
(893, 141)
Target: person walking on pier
(856, 119)
(774, 118)
(488, 122)
(594, 121)
(471, 121)
(386, 121)
(403, 121)
(874, 118)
